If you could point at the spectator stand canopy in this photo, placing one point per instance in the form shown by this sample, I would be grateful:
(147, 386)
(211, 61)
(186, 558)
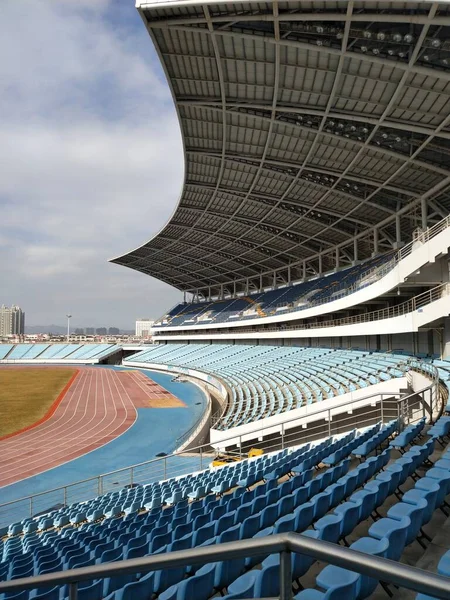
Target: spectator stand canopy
(315, 134)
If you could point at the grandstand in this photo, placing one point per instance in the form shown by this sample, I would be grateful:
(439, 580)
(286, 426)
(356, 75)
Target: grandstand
(57, 353)
(310, 243)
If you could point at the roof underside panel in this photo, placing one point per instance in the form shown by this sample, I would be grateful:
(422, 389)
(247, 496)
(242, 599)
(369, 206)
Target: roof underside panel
(305, 125)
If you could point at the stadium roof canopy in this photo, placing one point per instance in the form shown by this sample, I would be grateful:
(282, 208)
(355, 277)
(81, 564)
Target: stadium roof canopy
(315, 133)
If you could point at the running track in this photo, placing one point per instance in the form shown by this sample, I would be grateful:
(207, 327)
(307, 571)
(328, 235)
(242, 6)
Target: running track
(96, 409)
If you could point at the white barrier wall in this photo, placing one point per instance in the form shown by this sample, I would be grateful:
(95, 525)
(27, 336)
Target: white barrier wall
(420, 256)
(409, 322)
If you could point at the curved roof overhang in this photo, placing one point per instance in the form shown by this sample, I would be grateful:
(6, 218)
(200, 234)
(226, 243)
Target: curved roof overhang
(314, 133)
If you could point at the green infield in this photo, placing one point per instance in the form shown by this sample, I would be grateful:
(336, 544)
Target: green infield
(27, 394)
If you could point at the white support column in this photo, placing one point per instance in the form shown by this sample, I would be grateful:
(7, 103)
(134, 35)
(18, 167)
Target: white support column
(446, 339)
(221, 291)
(375, 242)
(355, 251)
(320, 264)
(337, 257)
(424, 213)
(247, 287)
(304, 270)
(234, 289)
(289, 275)
(274, 280)
(398, 232)
(261, 283)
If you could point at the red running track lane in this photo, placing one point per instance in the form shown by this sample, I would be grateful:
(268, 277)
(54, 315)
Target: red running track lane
(95, 410)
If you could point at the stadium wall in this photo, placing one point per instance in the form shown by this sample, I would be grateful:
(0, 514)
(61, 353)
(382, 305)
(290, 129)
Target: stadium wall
(309, 414)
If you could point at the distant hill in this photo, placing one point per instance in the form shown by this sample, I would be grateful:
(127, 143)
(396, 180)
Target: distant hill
(55, 329)
(61, 330)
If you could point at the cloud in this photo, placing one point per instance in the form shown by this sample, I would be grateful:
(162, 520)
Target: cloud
(91, 161)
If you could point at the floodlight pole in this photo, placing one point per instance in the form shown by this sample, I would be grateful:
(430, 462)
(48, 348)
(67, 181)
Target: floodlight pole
(68, 326)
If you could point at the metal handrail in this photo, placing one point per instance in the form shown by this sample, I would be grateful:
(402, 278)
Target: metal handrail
(409, 306)
(379, 271)
(97, 484)
(376, 567)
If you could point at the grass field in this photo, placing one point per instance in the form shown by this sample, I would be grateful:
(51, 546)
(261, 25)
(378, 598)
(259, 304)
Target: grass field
(27, 394)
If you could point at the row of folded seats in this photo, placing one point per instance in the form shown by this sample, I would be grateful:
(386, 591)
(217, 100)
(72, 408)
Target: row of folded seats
(321, 289)
(268, 380)
(289, 495)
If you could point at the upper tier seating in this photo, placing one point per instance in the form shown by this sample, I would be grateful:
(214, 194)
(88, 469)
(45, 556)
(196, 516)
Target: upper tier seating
(280, 301)
(52, 352)
(287, 493)
(268, 380)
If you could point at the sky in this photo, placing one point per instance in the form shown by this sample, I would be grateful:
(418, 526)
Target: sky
(91, 161)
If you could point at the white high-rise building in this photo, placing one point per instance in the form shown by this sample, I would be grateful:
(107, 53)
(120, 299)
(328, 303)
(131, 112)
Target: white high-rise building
(144, 328)
(12, 321)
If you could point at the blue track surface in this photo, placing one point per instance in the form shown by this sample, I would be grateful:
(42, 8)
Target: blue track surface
(155, 430)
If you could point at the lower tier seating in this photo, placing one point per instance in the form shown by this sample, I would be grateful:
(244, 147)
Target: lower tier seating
(320, 490)
(268, 380)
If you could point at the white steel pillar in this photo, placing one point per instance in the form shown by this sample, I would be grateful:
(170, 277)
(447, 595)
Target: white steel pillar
(337, 257)
(398, 232)
(320, 264)
(375, 242)
(355, 251)
(424, 213)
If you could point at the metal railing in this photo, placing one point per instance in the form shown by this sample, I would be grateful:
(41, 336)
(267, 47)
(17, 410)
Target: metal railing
(379, 407)
(371, 275)
(410, 306)
(378, 568)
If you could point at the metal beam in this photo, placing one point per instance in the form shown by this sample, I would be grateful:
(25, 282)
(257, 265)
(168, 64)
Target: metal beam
(384, 62)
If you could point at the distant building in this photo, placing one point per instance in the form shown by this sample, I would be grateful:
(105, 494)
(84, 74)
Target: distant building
(144, 328)
(12, 321)
(101, 331)
(90, 331)
(79, 331)
(113, 331)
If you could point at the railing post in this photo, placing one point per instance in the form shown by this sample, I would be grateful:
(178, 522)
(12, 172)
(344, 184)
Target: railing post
(165, 468)
(201, 459)
(382, 411)
(282, 436)
(65, 496)
(329, 423)
(31, 506)
(131, 476)
(73, 591)
(285, 575)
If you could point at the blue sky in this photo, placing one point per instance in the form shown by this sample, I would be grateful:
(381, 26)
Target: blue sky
(91, 160)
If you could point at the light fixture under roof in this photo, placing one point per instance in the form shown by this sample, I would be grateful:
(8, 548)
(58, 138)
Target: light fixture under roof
(339, 35)
(363, 48)
(319, 42)
(375, 51)
(408, 38)
(391, 52)
(381, 36)
(367, 34)
(319, 29)
(426, 57)
(435, 43)
(445, 61)
(401, 54)
(397, 37)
